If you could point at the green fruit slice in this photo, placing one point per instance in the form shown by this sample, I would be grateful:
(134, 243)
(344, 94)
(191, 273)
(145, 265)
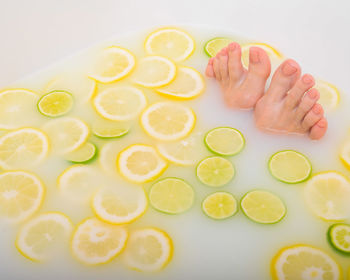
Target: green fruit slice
(55, 103)
(84, 154)
(213, 46)
(219, 205)
(339, 237)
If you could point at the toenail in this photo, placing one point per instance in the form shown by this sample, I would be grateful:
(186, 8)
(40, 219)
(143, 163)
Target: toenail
(312, 94)
(289, 68)
(322, 123)
(317, 109)
(254, 56)
(307, 79)
(232, 46)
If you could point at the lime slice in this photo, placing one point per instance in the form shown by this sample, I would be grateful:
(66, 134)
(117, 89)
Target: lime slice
(339, 237)
(171, 196)
(225, 141)
(109, 129)
(84, 154)
(55, 103)
(263, 207)
(215, 171)
(220, 205)
(213, 46)
(290, 167)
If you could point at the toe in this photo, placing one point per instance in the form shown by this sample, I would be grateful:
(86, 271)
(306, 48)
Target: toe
(223, 65)
(209, 71)
(306, 104)
(235, 66)
(299, 89)
(319, 129)
(312, 117)
(216, 67)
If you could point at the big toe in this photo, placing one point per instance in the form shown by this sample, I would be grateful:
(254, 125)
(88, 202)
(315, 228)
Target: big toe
(319, 129)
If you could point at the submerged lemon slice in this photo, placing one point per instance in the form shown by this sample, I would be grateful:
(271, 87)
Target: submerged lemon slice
(170, 42)
(345, 154)
(95, 242)
(329, 95)
(84, 154)
(55, 103)
(215, 45)
(219, 205)
(274, 54)
(148, 249)
(339, 237)
(107, 157)
(109, 129)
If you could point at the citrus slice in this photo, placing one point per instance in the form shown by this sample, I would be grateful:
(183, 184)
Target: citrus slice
(168, 121)
(215, 171)
(107, 157)
(42, 235)
(113, 63)
(339, 237)
(55, 103)
(171, 196)
(225, 141)
(21, 195)
(304, 262)
(263, 207)
(219, 205)
(95, 242)
(154, 71)
(327, 194)
(23, 148)
(148, 249)
(329, 95)
(120, 103)
(140, 163)
(170, 42)
(15, 103)
(290, 167)
(345, 154)
(215, 45)
(121, 205)
(274, 54)
(188, 84)
(106, 129)
(84, 154)
(67, 134)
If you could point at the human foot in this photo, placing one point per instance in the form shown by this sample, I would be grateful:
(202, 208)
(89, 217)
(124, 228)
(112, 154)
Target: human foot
(242, 88)
(290, 104)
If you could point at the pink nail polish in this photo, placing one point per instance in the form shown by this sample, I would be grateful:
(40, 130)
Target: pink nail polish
(317, 109)
(254, 56)
(312, 94)
(307, 79)
(289, 68)
(232, 46)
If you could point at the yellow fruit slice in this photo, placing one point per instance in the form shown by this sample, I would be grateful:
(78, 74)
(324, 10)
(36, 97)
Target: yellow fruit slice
(274, 54)
(154, 71)
(213, 46)
(304, 262)
(95, 242)
(84, 154)
(148, 249)
(21, 195)
(329, 95)
(120, 103)
(220, 205)
(55, 103)
(140, 163)
(168, 121)
(23, 148)
(40, 237)
(327, 194)
(345, 154)
(109, 129)
(170, 42)
(188, 84)
(112, 64)
(107, 157)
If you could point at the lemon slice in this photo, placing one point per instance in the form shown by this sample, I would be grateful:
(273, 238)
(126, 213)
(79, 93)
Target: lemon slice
(171, 196)
(148, 249)
(23, 148)
(304, 262)
(327, 194)
(67, 134)
(106, 129)
(154, 71)
(120, 103)
(188, 84)
(15, 103)
(21, 195)
(263, 207)
(219, 205)
(329, 95)
(168, 121)
(225, 141)
(345, 154)
(290, 167)
(215, 45)
(42, 235)
(274, 54)
(339, 237)
(95, 242)
(84, 154)
(140, 163)
(107, 157)
(55, 103)
(215, 171)
(121, 205)
(113, 64)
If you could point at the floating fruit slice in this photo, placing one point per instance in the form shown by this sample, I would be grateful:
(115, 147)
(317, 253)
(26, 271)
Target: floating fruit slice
(171, 196)
(67, 134)
(215, 171)
(219, 205)
(107, 157)
(140, 163)
(23, 148)
(113, 64)
(148, 249)
(329, 95)
(263, 207)
(120, 103)
(109, 129)
(188, 84)
(84, 154)
(168, 121)
(38, 238)
(327, 194)
(290, 167)
(225, 141)
(55, 103)
(15, 103)
(304, 262)
(274, 54)
(215, 45)
(95, 242)
(121, 205)
(339, 237)
(21, 195)
(345, 154)
(154, 71)
(170, 42)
